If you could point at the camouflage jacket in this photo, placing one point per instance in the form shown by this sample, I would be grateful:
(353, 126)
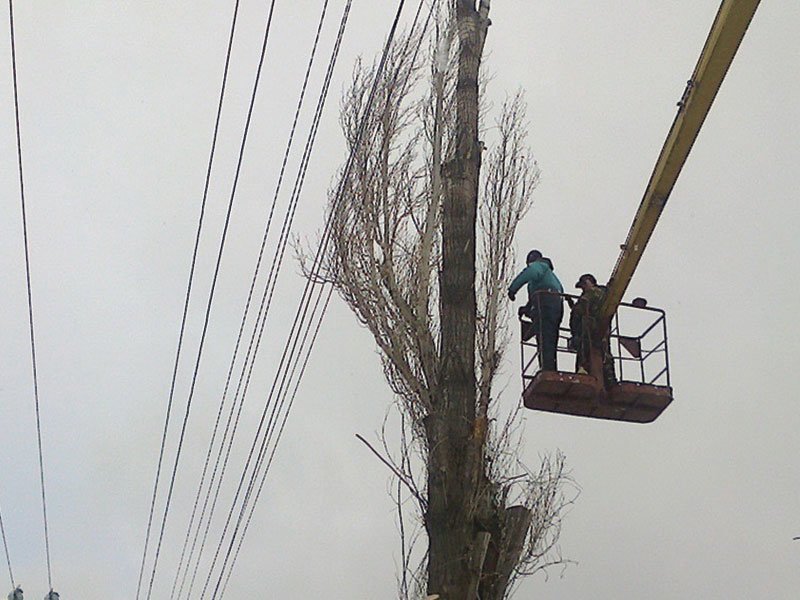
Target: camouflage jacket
(586, 311)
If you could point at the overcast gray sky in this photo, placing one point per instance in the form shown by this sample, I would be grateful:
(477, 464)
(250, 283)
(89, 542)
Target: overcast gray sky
(117, 107)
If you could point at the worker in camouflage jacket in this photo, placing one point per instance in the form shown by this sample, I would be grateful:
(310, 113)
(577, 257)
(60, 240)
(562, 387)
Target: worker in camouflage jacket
(584, 325)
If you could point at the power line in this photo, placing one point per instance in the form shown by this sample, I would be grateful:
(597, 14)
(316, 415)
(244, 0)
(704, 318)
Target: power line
(5, 547)
(241, 329)
(271, 434)
(211, 294)
(301, 315)
(248, 376)
(276, 413)
(267, 295)
(271, 427)
(272, 394)
(30, 294)
(188, 291)
(277, 439)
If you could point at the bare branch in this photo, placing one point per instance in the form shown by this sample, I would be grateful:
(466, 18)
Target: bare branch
(394, 470)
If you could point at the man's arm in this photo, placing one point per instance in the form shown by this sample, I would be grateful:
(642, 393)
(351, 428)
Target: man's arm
(582, 304)
(531, 274)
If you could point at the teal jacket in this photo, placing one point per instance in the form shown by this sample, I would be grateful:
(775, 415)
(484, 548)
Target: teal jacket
(538, 276)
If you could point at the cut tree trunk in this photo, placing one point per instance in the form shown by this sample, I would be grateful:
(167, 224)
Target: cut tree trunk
(456, 472)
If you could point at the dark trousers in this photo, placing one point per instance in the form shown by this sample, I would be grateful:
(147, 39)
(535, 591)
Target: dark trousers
(586, 338)
(545, 310)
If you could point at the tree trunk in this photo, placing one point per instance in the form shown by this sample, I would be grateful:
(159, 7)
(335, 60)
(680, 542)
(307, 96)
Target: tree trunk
(455, 461)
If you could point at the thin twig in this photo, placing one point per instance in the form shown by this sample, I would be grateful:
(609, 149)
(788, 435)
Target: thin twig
(394, 470)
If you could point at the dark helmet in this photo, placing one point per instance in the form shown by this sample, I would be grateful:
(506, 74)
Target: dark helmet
(548, 262)
(533, 256)
(585, 277)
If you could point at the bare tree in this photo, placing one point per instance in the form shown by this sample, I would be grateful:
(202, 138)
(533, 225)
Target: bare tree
(426, 206)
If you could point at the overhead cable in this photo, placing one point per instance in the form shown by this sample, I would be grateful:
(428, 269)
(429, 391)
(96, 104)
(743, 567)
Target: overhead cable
(309, 348)
(271, 437)
(301, 317)
(30, 294)
(188, 293)
(314, 311)
(183, 559)
(266, 298)
(209, 303)
(8, 554)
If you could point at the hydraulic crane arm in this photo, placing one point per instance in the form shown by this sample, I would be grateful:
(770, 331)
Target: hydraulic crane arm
(726, 34)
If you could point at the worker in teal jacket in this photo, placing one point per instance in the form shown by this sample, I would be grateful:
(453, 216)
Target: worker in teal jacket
(545, 307)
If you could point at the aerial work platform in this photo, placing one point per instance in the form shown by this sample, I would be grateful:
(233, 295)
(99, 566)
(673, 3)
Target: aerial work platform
(582, 396)
(641, 364)
(640, 396)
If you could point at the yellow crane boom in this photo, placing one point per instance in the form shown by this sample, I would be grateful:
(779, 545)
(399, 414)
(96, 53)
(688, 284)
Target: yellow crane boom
(726, 34)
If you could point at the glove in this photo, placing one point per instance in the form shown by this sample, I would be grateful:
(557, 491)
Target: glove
(511, 295)
(522, 311)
